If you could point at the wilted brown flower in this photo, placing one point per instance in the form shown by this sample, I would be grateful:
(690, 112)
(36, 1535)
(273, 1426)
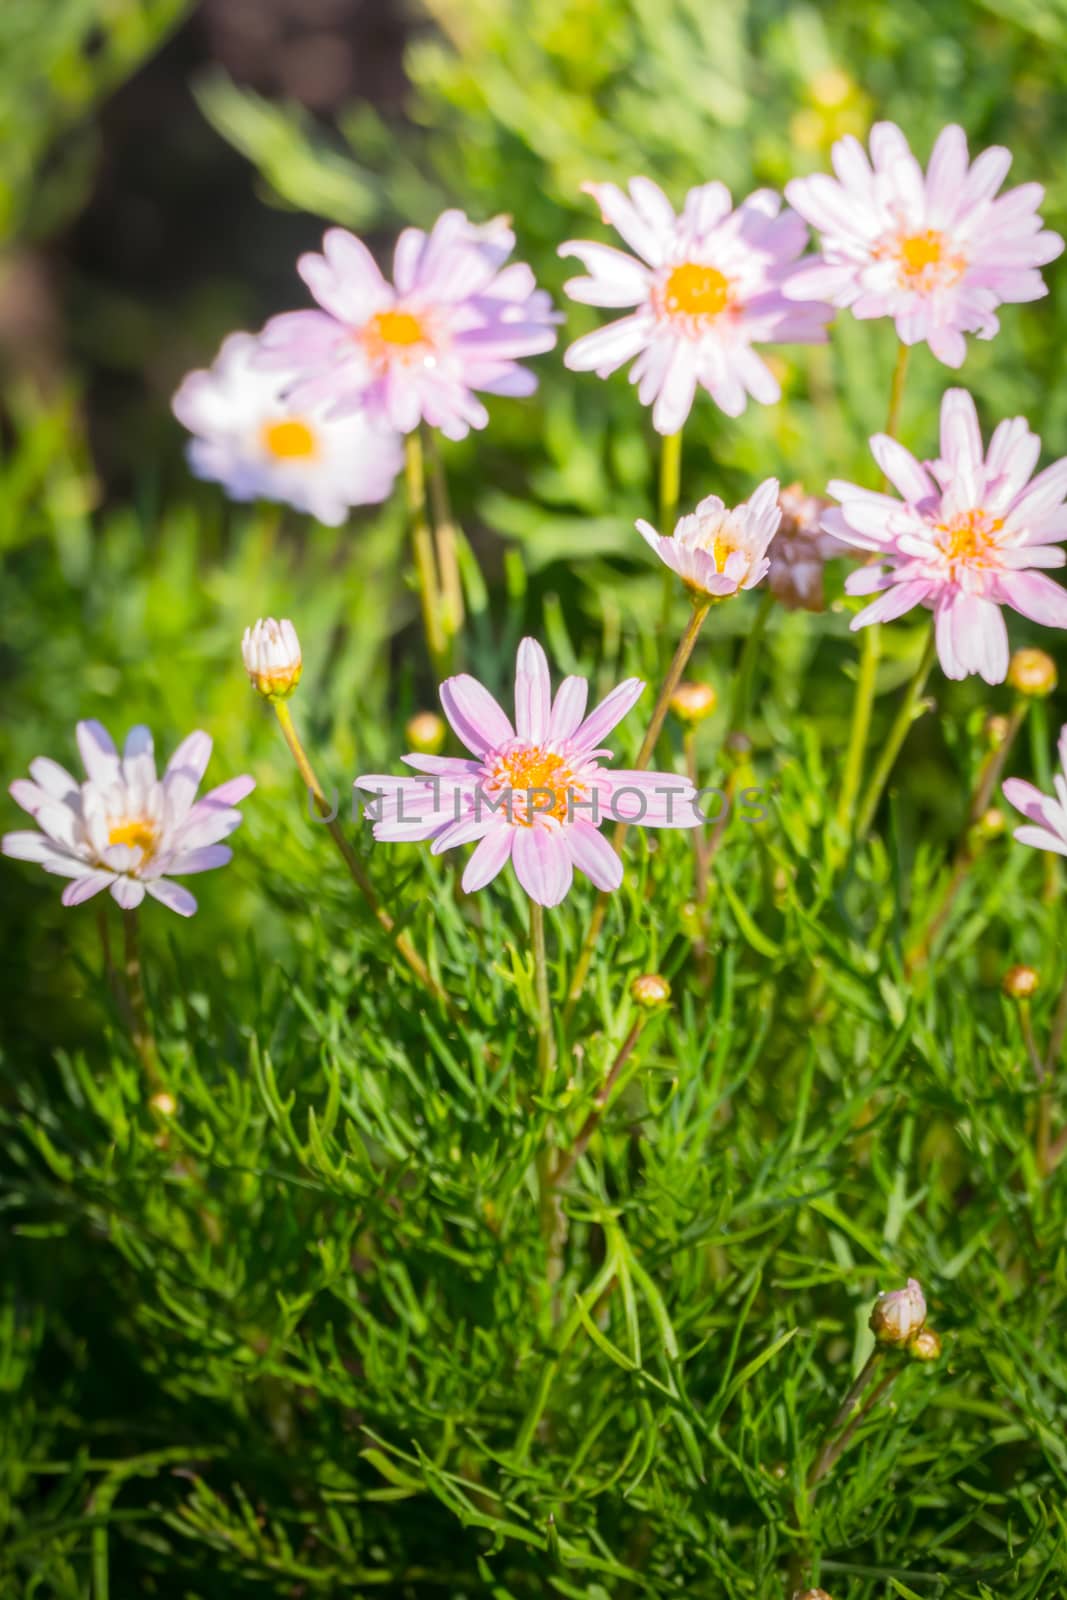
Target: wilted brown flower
(799, 551)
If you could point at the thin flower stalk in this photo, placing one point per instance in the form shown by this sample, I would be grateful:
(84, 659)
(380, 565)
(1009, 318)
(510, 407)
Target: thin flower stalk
(446, 536)
(140, 1027)
(670, 485)
(686, 645)
(897, 734)
(967, 851)
(422, 551)
(870, 647)
(405, 949)
(570, 1158)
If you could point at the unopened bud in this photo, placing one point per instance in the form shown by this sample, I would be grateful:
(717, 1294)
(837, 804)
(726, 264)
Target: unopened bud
(425, 733)
(898, 1315)
(692, 702)
(271, 654)
(163, 1104)
(1019, 983)
(650, 991)
(810, 1594)
(997, 728)
(925, 1345)
(991, 823)
(738, 746)
(1032, 672)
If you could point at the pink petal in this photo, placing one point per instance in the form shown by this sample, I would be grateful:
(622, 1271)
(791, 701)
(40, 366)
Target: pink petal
(533, 693)
(594, 855)
(1034, 596)
(608, 714)
(901, 468)
(475, 716)
(568, 708)
(542, 864)
(488, 858)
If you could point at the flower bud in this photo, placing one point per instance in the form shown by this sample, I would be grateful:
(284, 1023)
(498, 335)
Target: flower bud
(692, 702)
(650, 991)
(1019, 983)
(1032, 672)
(271, 653)
(163, 1104)
(425, 733)
(925, 1345)
(810, 1594)
(898, 1315)
(991, 823)
(996, 729)
(738, 746)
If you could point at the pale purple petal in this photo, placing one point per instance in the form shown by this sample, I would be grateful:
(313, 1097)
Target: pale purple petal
(84, 888)
(533, 692)
(594, 855)
(171, 895)
(608, 714)
(475, 717)
(488, 858)
(542, 864)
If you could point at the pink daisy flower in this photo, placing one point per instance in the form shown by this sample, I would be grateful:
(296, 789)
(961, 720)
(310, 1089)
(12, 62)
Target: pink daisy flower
(454, 320)
(124, 829)
(937, 253)
(261, 447)
(965, 540)
(717, 551)
(707, 285)
(1046, 828)
(535, 792)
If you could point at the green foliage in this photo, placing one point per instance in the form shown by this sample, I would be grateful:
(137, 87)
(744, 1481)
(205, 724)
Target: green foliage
(302, 1331)
(57, 61)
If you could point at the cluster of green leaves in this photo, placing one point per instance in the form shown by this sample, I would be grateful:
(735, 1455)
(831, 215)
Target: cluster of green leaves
(302, 1333)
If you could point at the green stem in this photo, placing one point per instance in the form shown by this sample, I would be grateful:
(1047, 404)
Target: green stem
(966, 851)
(897, 734)
(546, 1039)
(447, 553)
(570, 1158)
(140, 1027)
(859, 730)
(871, 646)
(896, 390)
(670, 482)
(358, 873)
(747, 664)
(423, 553)
(701, 607)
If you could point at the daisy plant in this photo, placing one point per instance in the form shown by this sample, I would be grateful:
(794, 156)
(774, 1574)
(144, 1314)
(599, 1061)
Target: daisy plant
(533, 792)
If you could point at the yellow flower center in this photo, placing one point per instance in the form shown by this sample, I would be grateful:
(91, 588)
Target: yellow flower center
(391, 334)
(694, 290)
(970, 536)
(546, 774)
(135, 831)
(925, 259)
(289, 439)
